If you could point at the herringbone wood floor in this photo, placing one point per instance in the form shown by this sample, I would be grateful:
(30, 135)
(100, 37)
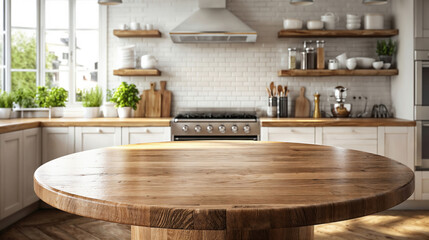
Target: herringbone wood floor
(56, 225)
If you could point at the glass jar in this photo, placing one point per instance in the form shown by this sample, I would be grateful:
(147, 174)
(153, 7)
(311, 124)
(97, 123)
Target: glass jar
(320, 54)
(292, 58)
(311, 58)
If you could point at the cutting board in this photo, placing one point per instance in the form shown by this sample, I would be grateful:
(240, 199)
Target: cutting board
(302, 105)
(152, 102)
(166, 100)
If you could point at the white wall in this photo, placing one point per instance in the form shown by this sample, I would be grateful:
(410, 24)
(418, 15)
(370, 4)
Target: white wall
(235, 75)
(403, 84)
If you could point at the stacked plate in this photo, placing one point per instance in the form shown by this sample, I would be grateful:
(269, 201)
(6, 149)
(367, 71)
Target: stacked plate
(353, 22)
(126, 57)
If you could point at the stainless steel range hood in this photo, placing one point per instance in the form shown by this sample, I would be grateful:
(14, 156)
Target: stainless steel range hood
(213, 23)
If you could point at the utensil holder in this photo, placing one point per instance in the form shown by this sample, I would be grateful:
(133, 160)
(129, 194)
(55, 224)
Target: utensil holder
(272, 107)
(283, 107)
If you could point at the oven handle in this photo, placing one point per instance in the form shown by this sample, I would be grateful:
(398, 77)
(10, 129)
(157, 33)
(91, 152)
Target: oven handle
(214, 138)
(418, 83)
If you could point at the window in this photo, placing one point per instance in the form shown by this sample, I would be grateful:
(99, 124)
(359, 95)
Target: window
(2, 38)
(41, 49)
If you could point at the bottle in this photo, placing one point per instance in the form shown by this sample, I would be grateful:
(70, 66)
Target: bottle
(317, 113)
(292, 58)
(311, 58)
(320, 54)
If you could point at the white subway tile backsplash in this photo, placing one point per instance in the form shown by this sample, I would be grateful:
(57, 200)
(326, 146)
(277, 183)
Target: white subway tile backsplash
(235, 75)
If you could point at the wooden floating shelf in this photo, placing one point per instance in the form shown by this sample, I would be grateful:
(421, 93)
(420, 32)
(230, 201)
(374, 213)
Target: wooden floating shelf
(327, 73)
(137, 33)
(338, 33)
(137, 72)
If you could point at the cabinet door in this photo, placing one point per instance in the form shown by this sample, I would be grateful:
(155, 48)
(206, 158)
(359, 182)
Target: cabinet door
(134, 135)
(356, 138)
(288, 134)
(422, 185)
(88, 138)
(32, 160)
(421, 19)
(11, 161)
(57, 142)
(397, 143)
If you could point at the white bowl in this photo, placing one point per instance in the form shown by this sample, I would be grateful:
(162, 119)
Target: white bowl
(377, 65)
(354, 21)
(387, 65)
(351, 64)
(291, 24)
(364, 62)
(342, 60)
(353, 26)
(352, 16)
(314, 25)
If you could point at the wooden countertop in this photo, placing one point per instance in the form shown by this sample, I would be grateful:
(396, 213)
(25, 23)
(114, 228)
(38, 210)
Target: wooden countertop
(336, 122)
(223, 186)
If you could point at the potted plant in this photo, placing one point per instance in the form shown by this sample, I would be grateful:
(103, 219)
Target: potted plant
(56, 100)
(385, 50)
(6, 101)
(24, 98)
(126, 98)
(108, 108)
(91, 101)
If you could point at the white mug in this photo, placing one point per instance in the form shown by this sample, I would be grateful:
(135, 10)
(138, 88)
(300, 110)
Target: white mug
(330, 20)
(134, 26)
(123, 27)
(149, 26)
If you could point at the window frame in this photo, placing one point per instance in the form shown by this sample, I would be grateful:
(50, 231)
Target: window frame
(41, 46)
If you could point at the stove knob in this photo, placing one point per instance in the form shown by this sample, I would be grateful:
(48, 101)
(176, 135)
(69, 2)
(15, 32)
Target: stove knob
(234, 128)
(247, 129)
(198, 128)
(185, 128)
(209, 128)
(222, 129)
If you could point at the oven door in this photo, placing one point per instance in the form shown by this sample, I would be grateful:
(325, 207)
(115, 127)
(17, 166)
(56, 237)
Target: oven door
(422, 90)
(210, 138)
(422, 144)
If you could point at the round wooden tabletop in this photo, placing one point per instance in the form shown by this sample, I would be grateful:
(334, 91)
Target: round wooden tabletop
(223, 185)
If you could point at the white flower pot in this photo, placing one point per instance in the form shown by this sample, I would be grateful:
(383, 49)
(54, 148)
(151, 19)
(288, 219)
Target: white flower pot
(5, 113)
(91, 112)
(109, 110)
(57, 112)
(124, 112)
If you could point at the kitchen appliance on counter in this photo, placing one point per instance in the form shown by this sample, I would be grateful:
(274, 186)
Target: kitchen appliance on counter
(341, 109)
(194, 126)
(421, 107)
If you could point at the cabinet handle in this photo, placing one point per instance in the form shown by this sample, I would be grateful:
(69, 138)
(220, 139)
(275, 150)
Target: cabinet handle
(425, 124)
(146, 130)
(100, 130)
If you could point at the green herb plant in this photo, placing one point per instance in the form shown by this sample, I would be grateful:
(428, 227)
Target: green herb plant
(42, 94)
(57, 97)
(386, 48)
(92, 98)
(6, 100)
(126, 96)
(25, 98)
(109, 94)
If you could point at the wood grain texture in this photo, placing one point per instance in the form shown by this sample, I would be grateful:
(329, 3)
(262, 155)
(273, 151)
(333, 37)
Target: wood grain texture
(258, 185)
(137, 72)
(166, 100)
(137, 33)
(341, 72)
(302, 105)
(338, 33)
(153, 102)
(336, 122)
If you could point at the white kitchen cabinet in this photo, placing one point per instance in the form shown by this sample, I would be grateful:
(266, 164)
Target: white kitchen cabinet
(422, 185)
(134, 135)
(397, 143)
(11, 165)
(355, 138)
(57, 142)
(32, 160)
(421, 19)
(288, 134)
(87, 138)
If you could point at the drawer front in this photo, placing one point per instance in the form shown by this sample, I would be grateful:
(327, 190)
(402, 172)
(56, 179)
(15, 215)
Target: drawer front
(295, 135)
(145, 135)
(422, 185)
(355, 138)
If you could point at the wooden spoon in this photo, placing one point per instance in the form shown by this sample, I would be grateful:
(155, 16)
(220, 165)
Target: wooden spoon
(280, 90)
(272, 87)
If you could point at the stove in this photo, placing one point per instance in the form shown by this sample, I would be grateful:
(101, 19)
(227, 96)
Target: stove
(193, 126)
